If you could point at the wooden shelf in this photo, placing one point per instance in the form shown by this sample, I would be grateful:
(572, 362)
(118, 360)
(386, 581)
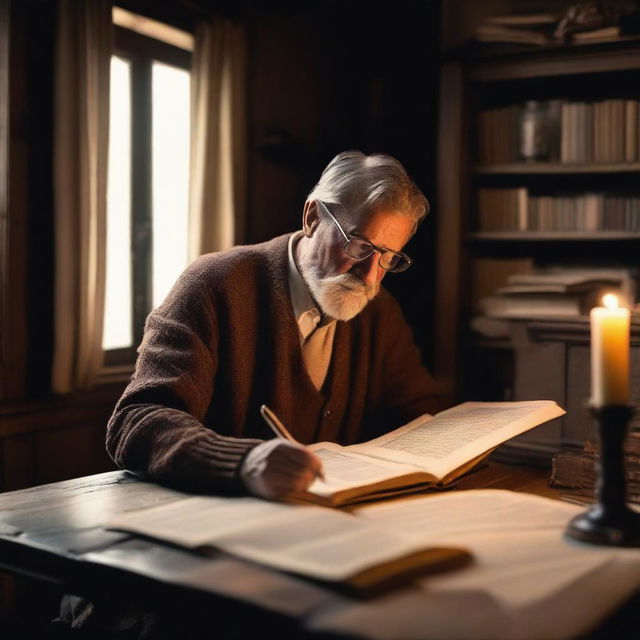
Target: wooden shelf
(561, 236)
(563, 61)
(474, 263)
(552, 168)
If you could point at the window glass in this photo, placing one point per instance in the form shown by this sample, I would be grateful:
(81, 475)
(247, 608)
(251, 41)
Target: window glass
(118, 299)
(170, 171)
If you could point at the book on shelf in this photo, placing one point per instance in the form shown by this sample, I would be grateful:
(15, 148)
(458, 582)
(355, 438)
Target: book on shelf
(535, 305)
(520, 28)
(523, 19)
(601, 131)
(500, 33)
(604, 34)
(578, 279)
(574, 470)
(556, 292)
(516, 209)
(431, 451)
(326, 545)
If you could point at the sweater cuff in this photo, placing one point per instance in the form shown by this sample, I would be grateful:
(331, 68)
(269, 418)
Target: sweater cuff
(213, 465)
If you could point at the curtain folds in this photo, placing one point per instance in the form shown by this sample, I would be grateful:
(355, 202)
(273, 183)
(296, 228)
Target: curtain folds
(81, 133)
(217, 198)
(217, 190)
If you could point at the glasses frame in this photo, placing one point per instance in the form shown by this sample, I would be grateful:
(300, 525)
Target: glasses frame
(408, 261)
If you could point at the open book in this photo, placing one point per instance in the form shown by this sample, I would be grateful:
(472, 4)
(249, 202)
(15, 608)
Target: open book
(430, 451)
(327, 545)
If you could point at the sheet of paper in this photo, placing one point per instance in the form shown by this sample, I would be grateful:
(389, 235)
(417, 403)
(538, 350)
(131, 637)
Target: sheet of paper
(517, 539)
(316, 541)
(441, 443)
(528, 581)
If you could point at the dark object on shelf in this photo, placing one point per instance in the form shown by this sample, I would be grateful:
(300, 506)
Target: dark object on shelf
(536, 131)
(586, 16)
(609, 521)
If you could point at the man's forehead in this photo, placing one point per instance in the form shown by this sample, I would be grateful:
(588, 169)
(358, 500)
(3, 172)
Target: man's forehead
(381, 216)
(385, 227)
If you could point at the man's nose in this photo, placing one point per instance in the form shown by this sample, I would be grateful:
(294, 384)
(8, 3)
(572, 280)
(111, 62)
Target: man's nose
(369, 270)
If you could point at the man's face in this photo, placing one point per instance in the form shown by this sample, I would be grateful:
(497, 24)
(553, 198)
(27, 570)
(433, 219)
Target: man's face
(343, 285)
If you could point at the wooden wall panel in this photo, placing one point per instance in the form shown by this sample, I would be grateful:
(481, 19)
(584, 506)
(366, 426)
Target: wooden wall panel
(56, 439)
(63, 453)
(18, 462)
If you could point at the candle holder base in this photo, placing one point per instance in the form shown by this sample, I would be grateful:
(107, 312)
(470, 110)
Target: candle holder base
(609, 521)
(596, 526)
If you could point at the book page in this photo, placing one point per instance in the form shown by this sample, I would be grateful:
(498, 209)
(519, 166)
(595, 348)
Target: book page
(517, 538)
(528, 581)
(323, 543)
(344, 469)
(439, 444)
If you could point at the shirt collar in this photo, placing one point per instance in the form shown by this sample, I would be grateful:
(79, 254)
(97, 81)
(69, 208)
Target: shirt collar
(305, 310)
(300, 298)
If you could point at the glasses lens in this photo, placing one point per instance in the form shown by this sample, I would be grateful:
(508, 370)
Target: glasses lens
(393, 262)
(358, 248)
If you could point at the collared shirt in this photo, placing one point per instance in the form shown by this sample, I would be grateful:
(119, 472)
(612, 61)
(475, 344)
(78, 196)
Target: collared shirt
(316, 331)
(305, 311)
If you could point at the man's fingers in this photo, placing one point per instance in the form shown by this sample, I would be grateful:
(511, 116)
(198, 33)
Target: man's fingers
(279, 467)
(299, 457)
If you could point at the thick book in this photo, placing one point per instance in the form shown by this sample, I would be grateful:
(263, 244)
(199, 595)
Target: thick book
(536, 305)
(431, 451)
(326, 545)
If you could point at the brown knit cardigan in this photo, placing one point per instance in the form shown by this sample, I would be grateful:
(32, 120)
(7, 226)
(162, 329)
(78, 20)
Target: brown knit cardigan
(225, 341)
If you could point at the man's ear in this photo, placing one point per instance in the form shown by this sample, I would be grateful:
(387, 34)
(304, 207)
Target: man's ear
(310, 218)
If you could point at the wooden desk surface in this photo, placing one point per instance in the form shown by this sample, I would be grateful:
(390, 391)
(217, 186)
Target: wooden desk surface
(54, 533)
(533, 480)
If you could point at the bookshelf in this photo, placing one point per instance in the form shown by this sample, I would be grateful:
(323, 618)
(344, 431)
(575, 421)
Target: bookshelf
(576, 206)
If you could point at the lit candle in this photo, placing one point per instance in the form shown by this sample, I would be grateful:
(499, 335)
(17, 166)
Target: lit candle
(609, 353)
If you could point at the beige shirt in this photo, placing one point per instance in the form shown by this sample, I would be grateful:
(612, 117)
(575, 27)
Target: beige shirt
(316, 337)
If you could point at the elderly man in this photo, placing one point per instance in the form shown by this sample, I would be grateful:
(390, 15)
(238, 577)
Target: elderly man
(299, 323)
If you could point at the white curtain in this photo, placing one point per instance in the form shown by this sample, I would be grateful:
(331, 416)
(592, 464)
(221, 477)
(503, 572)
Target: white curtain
(217, 197)
(81, 133)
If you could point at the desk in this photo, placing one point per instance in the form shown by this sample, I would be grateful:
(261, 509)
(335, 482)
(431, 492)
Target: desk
(54, 533)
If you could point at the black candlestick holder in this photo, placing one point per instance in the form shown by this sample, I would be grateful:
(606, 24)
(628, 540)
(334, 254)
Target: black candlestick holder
(609, 521)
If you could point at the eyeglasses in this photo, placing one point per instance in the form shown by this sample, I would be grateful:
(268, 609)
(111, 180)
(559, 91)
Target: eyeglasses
(360, 248)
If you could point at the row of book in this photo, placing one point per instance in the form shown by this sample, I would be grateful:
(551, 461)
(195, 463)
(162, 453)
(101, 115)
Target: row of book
(516, 210)
(556, 292)
(607, 131)
(574, 471)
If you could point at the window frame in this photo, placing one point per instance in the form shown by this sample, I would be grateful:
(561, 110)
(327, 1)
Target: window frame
(141, 52)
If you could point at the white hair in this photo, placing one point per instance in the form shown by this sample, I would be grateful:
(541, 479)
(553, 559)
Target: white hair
(361, 183)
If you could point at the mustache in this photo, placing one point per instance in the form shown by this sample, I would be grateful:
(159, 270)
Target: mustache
(353, 283)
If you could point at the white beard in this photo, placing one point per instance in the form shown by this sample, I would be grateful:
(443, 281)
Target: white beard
(343, 296)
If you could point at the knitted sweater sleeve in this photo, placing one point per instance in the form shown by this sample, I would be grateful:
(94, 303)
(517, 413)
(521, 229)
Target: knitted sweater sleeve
(156, 426)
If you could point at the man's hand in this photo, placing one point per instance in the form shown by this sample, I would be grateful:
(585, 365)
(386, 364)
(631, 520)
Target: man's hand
(278, 467)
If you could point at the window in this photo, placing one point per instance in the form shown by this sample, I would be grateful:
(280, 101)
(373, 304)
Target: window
(148, 177)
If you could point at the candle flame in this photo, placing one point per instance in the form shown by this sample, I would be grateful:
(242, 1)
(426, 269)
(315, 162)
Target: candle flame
(610, 301)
